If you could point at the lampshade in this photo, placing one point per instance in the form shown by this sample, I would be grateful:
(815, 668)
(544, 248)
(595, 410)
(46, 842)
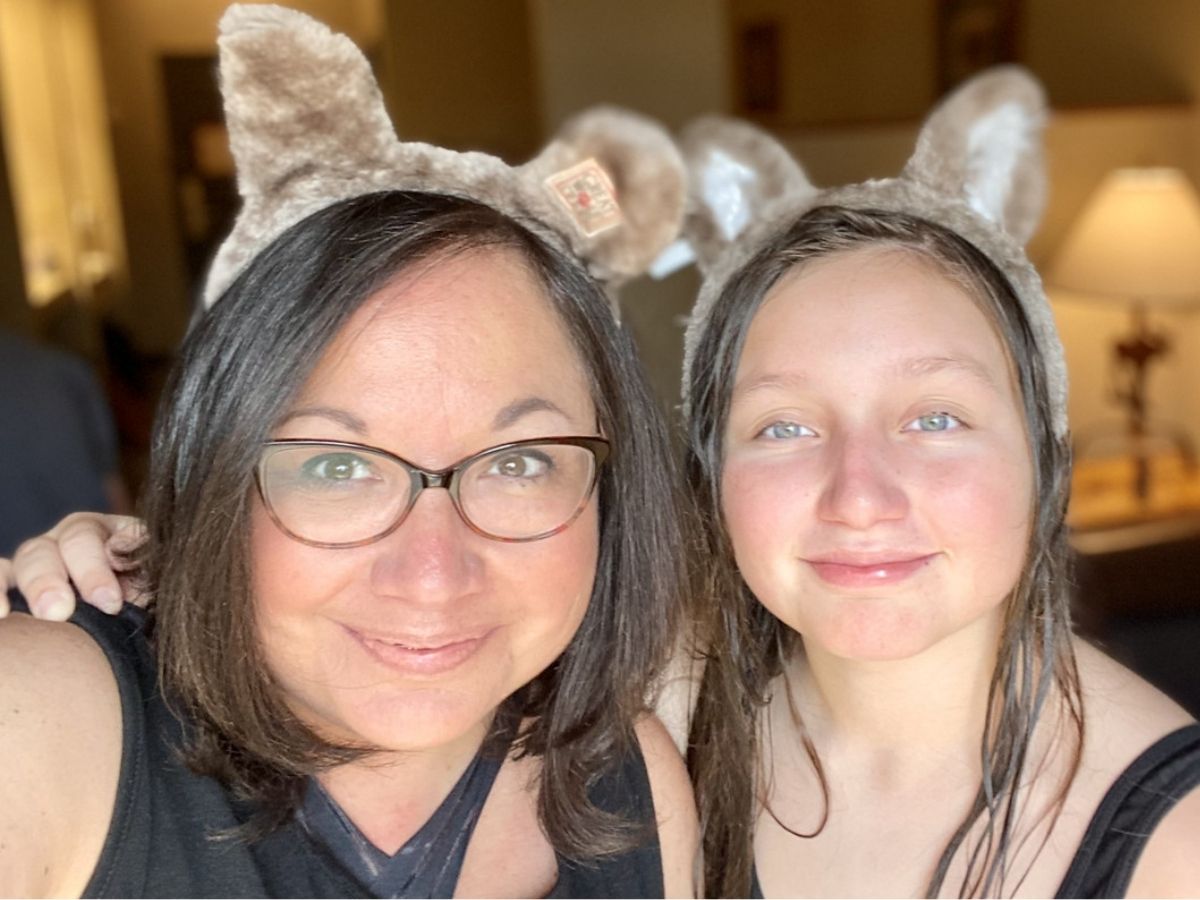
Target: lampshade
(1138, 238)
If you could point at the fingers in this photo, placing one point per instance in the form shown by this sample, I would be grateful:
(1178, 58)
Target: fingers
(73, 551)
(85, 541)
(42, 578)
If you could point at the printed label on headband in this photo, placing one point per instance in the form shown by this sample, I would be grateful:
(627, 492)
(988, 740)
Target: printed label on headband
(588, 196)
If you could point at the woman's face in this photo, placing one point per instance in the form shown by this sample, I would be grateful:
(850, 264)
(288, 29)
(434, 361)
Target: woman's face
(412, 641)
(877, 483)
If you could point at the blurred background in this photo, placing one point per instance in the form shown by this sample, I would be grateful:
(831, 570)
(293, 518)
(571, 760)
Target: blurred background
(116, 185)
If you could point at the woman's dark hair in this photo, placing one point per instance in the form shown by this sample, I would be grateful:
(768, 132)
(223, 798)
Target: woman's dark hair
(236, 376)
(749, 647)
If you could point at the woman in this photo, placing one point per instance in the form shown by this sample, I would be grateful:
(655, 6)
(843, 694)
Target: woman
(893, 703)
(401, 632)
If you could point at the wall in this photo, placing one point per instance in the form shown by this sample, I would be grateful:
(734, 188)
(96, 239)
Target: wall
(14, 311)
(134, 35)
(460, 73)
(847, 61)
(1105, 52)
(666, 58)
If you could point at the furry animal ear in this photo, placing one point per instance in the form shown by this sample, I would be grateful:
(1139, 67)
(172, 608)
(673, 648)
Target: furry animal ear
(736, 172)
(308, 128)
(983, 145)
(281, 72)
(613, 183)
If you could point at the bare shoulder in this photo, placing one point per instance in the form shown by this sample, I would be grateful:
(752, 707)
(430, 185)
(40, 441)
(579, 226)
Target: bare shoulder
(60, 739)
(674, 806)
(1169, 865)
(1124, 713)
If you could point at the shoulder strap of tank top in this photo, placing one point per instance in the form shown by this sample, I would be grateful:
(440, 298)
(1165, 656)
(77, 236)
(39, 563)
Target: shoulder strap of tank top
(1135, 804)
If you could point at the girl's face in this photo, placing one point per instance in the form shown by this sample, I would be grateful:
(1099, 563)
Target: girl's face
(878, 482)
(412, 641)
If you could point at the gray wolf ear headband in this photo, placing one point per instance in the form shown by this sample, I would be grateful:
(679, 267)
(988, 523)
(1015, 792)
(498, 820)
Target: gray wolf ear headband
(308, 128)
(977, 170)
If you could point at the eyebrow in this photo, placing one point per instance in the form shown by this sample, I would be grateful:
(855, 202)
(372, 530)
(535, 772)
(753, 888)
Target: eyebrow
(509, 415)
(340, 416)
(932, 365)
(512, 413)
(770, 381)
(914, 367)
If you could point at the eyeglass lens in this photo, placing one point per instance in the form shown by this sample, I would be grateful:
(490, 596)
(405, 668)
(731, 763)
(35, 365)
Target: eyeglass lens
(329, 494)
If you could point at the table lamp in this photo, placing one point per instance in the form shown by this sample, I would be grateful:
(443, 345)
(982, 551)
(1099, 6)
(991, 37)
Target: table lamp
(1137, 241)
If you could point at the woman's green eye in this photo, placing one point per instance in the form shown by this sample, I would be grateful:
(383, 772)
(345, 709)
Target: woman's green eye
(527, 464)
(337, 467)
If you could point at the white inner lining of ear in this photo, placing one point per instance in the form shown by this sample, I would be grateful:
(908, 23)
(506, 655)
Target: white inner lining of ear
(726, 192)
(996, 143)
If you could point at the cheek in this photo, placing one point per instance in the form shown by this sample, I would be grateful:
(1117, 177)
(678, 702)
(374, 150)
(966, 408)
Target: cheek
(552, 582)
(765, 506)
(981, 508)
(286, 574)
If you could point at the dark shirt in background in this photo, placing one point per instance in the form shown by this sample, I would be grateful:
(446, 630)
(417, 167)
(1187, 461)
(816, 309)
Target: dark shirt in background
(58, 445)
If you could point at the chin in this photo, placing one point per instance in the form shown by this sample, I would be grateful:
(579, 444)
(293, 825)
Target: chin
(869, 631)
(416, 720)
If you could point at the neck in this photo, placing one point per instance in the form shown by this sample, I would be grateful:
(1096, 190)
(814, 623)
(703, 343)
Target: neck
(390, 795)
(920, 711)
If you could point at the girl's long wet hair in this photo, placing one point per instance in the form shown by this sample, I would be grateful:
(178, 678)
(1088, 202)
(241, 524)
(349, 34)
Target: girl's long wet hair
(235, 378)
(1035, 674)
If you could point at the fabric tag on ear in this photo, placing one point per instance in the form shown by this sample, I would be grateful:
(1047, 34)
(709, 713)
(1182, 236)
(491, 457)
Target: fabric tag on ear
(587, 194)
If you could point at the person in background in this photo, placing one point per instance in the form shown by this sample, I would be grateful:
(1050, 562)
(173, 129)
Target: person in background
(58, 445)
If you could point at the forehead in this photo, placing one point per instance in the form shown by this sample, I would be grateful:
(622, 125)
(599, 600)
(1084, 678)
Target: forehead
(879, 303)
(459, 335)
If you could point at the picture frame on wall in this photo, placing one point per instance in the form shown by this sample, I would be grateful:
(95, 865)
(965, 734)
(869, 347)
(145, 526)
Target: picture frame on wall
(973, 35)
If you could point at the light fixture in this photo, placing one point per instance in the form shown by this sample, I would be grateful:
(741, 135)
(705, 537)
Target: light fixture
(1137, 241)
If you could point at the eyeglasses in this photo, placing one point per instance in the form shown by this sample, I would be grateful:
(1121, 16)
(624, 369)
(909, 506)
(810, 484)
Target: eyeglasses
(342, 494)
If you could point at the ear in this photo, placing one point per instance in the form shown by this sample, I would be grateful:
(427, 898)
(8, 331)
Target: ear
(735, 171)
(983, 145)
(614, 184)
(298, 99)
(306, 123)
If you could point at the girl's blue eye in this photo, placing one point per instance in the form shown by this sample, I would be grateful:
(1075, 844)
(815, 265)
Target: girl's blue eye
(786, 431)
(934, 422)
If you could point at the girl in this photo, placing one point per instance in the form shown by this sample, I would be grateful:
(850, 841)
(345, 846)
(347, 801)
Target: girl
(893, 703)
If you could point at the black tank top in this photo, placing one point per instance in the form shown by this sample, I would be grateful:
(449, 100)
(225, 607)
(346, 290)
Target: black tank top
(161, 840)
(1129, 813)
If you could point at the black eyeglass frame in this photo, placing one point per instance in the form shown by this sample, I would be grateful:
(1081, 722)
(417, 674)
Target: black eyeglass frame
(448, 478)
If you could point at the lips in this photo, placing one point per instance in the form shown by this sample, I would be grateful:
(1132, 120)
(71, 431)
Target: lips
(848, 570)
(420, 655)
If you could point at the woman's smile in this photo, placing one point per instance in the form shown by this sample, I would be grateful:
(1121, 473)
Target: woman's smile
(422, 656)
(850, 570)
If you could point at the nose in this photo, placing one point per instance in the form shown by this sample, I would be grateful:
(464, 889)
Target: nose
(430, 558)
(863, 483)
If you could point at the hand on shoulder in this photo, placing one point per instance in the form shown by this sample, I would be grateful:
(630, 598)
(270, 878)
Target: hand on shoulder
(60, 740)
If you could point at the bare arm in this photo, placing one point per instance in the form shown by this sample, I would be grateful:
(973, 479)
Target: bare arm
(60, 743)
(674, 807)
(83, 549)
